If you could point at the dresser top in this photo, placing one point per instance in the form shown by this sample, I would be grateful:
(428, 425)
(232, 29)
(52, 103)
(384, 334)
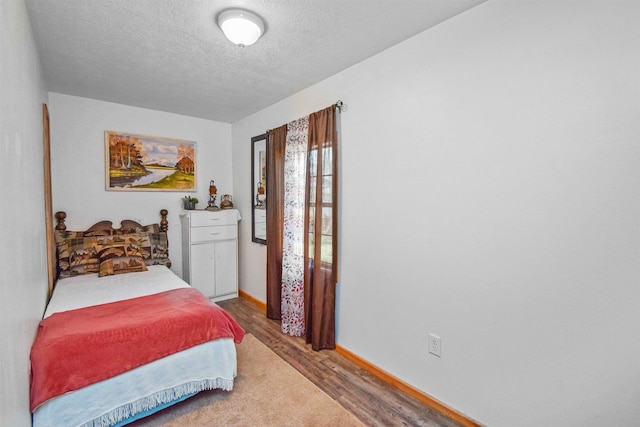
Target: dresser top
(226, 213)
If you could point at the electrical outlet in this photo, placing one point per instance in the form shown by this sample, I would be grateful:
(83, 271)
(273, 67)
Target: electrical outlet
(435, 345)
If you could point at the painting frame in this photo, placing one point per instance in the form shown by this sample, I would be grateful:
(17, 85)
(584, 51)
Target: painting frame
(135, 162)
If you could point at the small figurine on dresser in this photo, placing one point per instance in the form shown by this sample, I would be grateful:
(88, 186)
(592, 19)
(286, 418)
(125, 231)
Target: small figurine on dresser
(261, 198)
(212, 197)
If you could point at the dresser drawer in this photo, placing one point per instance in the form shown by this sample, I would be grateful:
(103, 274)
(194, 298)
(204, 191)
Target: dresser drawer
(207, 234)
(261, 230)
(261, 227)
(261, 215)
(205, 219)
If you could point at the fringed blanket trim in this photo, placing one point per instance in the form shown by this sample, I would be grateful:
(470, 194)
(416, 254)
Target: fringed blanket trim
(160, 398)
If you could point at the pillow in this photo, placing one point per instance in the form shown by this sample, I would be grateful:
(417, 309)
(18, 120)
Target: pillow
(154, 247)
(120, 255)
(157, 248)
(62, 235)
(78, 253)
(151, 228)
(77, 256)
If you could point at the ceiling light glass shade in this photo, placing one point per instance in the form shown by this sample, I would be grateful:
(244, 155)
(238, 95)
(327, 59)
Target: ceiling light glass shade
(241, 27)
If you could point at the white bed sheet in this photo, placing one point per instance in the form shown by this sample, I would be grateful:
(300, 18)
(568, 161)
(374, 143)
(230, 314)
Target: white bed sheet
(89, 289)
(207, 366)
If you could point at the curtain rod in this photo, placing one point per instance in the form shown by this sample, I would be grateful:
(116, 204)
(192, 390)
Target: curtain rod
(341, 106)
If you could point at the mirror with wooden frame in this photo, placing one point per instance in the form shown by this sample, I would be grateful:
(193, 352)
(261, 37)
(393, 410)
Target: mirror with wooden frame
(259, 188)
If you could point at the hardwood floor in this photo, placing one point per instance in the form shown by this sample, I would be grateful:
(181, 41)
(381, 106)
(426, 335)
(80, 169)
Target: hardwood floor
(373, 401)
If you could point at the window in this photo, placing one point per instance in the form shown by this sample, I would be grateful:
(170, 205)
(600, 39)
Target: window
(326, 233)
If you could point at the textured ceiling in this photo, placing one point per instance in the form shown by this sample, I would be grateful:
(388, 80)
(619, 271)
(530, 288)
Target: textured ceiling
(169, 55)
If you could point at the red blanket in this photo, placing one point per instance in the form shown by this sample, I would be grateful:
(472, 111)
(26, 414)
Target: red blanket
(77, 348)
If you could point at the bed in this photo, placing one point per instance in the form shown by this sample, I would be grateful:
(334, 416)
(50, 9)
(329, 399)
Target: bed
(122, 336)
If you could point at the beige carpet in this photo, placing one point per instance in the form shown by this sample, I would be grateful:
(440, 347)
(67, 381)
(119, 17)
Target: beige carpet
(267, 392)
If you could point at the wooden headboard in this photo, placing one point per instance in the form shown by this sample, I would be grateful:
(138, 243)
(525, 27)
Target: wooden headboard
(105, 228)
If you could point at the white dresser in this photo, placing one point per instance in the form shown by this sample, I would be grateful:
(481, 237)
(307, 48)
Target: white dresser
(210, 252)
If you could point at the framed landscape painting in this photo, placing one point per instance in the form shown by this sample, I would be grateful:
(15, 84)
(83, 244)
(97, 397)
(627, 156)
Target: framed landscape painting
(149, 163)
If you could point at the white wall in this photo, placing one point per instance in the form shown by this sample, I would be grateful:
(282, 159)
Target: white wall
(490, 195)
(78, 163)
(23, 264)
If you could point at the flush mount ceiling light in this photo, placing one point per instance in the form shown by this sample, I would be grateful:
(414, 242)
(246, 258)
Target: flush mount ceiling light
(240, 26)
